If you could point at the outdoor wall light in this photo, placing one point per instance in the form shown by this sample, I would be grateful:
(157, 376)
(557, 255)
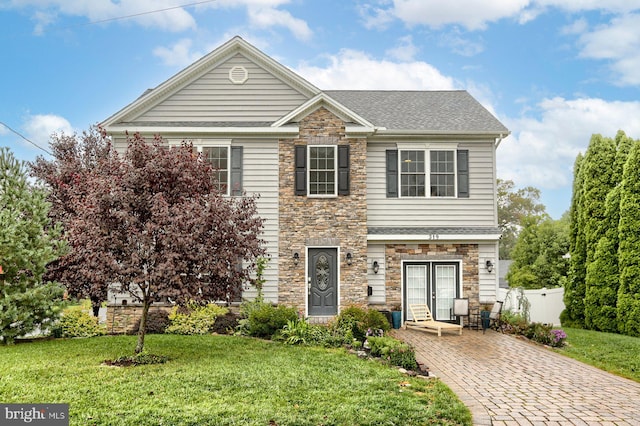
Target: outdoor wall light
(489, 265)
(375, 266)
(349, 258)
(296, 257)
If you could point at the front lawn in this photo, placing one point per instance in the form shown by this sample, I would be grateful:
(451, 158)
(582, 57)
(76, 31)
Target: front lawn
(614, 353)
(220, 380)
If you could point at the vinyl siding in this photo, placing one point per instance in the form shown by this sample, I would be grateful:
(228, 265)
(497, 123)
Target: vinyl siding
(213, 97)
(488, 280)
(477, 210)
(260, 176)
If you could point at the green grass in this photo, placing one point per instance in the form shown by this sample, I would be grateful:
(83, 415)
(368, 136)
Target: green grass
(614, 353)
(220, 380)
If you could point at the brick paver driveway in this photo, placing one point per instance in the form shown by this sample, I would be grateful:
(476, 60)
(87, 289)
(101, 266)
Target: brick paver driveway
(507, 381)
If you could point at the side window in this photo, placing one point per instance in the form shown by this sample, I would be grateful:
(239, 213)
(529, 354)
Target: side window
(218, 157)
(446, 174)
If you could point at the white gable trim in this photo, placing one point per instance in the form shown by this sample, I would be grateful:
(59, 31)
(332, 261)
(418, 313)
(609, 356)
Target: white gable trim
(322, 100)
(202, 66)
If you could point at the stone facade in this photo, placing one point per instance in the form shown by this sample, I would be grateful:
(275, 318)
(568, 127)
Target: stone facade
(123, 319)
(396, 253)
(336, 221)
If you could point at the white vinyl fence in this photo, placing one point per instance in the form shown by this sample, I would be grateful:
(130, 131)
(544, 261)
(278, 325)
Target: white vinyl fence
(546, 304)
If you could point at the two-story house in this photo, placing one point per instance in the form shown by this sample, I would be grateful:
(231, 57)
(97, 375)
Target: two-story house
(374, 198)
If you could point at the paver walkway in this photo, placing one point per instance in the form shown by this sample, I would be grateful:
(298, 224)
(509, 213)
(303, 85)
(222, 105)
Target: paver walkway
(508, 381)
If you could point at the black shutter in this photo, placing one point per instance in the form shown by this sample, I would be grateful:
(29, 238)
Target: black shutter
(392, 173)
(463, 173)
(343, 169)
(236, 170)
(301, 170)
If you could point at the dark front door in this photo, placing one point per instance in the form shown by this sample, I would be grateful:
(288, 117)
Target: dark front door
(323, 281)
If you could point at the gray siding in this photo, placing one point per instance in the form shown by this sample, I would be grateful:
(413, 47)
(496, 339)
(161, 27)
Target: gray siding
(213, 97)
(260, 176)
(488, 281)
(477, 210)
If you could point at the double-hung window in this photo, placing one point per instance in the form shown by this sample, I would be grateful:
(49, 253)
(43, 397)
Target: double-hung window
(438, 174)
(218, 157)
(323, 166)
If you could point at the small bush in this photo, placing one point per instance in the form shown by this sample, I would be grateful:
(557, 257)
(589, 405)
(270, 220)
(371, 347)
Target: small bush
(265, 320)
(76, 322)
(157, 322)
(226, 324)
(356, 323)
(393, 351)
(197, 319)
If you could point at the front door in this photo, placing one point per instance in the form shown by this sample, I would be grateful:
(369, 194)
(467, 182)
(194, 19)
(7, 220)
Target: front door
(434, 284)
(323, 281)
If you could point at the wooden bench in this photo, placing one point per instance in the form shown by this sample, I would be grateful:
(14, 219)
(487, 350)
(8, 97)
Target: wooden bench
(423, 319)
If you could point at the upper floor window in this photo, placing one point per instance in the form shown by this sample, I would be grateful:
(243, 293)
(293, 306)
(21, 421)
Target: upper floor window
(427, 173)
(443, 174)
(414, 172)
(218, 157)
(322, 170)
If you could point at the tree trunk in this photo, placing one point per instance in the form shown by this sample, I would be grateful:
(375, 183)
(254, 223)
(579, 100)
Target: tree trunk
(143, 324)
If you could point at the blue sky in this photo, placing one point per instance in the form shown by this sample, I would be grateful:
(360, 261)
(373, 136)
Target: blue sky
(553, 71)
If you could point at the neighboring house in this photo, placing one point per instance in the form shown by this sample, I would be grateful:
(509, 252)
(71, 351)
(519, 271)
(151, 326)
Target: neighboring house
(373, 198)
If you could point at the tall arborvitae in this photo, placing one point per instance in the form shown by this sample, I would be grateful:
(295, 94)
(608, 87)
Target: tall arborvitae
(602, 274)
(629, 247)
(573, 314)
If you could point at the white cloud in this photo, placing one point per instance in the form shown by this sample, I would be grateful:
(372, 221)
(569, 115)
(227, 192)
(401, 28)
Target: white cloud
(351, 69)
(541, 151)
(266, 17)
(177, 55)
(460, 45)
(175, 19)
(471, 14)
(577, 27)
(618, 42)
(38, 128)
(405, 51)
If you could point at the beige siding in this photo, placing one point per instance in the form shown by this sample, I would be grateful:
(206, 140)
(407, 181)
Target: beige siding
(213, 97)
(260, 176)
(488, 280)
(477, 210)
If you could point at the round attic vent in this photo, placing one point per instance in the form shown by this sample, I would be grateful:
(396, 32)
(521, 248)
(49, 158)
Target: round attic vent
(238, 75)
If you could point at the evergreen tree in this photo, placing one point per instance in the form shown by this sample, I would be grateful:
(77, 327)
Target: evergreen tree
(538, 260)
(602, 274)
(628, 306)
(573, 314)
(28, 243)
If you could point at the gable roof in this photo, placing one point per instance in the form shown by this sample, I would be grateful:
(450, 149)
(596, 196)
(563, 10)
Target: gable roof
(383, 111)
(454, 111)
(196, 70)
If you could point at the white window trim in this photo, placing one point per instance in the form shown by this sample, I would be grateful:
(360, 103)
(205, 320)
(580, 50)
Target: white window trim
(335, 172)
(427, 160)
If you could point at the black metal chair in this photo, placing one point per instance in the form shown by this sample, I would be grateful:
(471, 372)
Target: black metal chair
(461, 309)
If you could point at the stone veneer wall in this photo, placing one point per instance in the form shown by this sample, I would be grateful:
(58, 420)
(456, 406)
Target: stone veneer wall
(307, 222)
(122, 319)
(468, 253)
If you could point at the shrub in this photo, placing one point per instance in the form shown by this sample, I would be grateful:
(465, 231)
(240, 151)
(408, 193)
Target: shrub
(356, 323)
(197, 320)
(157, 322)
(265, 320)
(77, 322)
(226, 324)
(393, 351)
